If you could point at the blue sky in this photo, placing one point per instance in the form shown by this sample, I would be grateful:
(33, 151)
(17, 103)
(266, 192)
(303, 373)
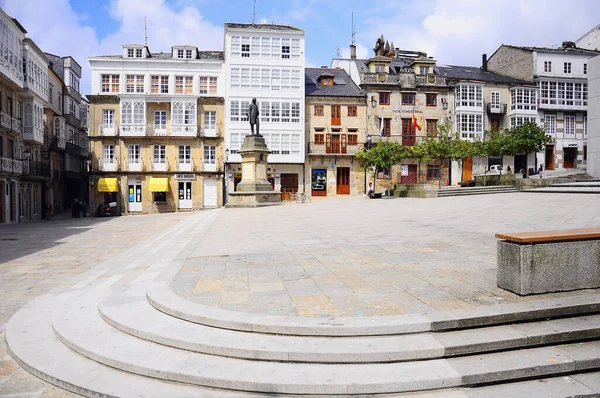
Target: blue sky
(452, 31)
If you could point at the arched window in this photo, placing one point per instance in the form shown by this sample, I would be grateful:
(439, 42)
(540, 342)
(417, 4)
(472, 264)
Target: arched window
(177, 113)
(127, 113)
(190, 113)
(138, 112)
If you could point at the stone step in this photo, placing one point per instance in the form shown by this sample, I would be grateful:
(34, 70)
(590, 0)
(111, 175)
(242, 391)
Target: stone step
(135, 316)
(82, 329)
(477, 192)
(36, 348)
(161, 297)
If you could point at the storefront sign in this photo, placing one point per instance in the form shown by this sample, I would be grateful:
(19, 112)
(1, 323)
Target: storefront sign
(404, 170)
(332, 180)
(570, 145)
(185, 176)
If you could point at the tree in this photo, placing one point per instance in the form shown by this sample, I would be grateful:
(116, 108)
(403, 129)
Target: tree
(528, 137)
(383, 155)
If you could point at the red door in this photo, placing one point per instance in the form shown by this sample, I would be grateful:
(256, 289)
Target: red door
(343, 181)
(411, 178)
(336, 115)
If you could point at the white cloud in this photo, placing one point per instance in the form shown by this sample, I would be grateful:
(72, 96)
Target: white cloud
(57, 28)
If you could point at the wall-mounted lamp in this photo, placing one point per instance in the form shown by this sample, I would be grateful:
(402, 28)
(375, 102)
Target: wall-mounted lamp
(444, 104)
(226, 154)
(373, 101)
(27, 154)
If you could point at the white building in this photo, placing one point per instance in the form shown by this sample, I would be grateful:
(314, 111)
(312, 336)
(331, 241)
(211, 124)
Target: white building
(266, 62)
(590, 40)
(594, 118)
(561, 75)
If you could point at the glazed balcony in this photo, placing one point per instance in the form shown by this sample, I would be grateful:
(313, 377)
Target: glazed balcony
(33, 134)
(132, 130)
(496, 109)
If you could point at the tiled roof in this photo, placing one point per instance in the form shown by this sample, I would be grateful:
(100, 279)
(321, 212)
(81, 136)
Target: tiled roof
(58, 65)
(472, 73)
(208, 55)
(560, 50)
(343, 84)
(262, 26)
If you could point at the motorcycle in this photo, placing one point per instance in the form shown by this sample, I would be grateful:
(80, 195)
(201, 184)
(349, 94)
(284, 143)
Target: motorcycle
(103, 211)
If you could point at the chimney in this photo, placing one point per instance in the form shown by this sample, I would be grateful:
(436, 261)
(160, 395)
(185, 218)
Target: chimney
(352, 51)
(484, 62)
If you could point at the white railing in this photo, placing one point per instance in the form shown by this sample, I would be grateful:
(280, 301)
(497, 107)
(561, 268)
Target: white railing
(185, 165)
(17, 125)
(184, 130)
(157, 131)
(135, 166)
(209, 132)
(160, 166)
(33, 134)
(210, 167)
(108, 166)
(61, 142)
(9, 165)
(132, 130)
(107, 129)
(5, 120)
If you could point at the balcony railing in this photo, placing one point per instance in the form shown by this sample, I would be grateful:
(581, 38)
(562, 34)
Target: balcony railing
(496, 109)
(108, 166)
(208, 132)
(333, 149)
(132, 165)
(33, 134)
(157, 131)
(431, 80)
(184, 130)
(373, 78)
(10, 123)
(58, 142)
(17, 126)
(107, 129)
(132, 130)
(185, 164)
(32, 168)
(209, 167)
(10, 166)
(160, 165)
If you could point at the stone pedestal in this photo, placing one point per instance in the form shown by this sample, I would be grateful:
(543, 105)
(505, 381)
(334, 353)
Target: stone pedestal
(254, 190)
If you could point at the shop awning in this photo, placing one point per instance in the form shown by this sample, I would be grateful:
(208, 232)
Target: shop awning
(108, 185)
(159, 185)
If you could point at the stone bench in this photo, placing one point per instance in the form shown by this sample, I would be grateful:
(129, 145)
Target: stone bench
(552, 261)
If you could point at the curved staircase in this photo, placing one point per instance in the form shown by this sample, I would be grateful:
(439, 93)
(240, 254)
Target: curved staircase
(157, 344)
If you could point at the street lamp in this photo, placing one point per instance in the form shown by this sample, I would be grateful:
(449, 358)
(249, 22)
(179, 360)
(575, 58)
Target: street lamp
(373, 102)
(27, 154)
(225, 177)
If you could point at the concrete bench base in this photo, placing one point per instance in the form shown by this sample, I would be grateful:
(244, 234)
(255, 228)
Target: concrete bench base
(548, 267)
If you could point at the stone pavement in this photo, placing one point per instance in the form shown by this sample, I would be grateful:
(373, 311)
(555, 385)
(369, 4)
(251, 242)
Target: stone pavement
(342, 256)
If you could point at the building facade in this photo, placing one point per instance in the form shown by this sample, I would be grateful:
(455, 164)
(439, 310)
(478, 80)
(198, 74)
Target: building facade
(399, 85)
(336, 126)
(12, 81)
(266, 62)
(594, 115)
(561, 76)
(156, 129)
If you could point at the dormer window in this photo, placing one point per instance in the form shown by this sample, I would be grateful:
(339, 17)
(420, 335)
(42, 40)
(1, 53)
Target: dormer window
(188, 54)
(326, 79)
(130, 53)
(380, 68)
(135, 52)
(180, 54)
(138, 52)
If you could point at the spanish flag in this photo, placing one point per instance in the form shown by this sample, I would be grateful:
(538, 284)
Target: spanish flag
(415, 123)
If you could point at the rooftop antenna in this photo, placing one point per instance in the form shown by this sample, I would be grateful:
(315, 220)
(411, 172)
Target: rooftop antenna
(145, 33)
(254, 12)
(353, 31)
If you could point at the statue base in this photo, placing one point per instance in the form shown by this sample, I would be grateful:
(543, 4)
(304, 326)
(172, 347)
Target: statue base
(254, 190)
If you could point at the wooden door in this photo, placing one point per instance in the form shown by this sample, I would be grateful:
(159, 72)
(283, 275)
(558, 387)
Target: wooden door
(467, 169)
(495, 124)
(335, 143)
(343, 143)
(289, 185)
(328, 143)
(411, 178)
(336, 115)
(570, 155)
(343, 181)
(549, 157)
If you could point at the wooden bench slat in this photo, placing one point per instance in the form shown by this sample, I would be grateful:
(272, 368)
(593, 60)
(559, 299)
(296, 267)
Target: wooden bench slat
(551, 236)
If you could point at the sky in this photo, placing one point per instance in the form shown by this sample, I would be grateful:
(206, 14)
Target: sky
(454, 32)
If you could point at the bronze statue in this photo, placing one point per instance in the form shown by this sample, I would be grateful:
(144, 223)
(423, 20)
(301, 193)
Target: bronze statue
(252, 115)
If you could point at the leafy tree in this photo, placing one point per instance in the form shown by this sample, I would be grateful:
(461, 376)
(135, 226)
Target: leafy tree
(528, 137)
(383, 155)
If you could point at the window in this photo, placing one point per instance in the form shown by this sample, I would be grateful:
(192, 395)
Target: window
(188, 54)
(108, 153)
(210, 156)
(60, 103)
(547, 66)
(160, 120)
(285, 112)
(523, 99)
(108, 117)
(425, 70)
(210, 120)
(550, 125)
(384, 98)
(245, 50)
(50, 92)
(319, 110)
(319, 138)
(520, 120)
(71, 107)
(585, 69)
(285, 51)
(432, 127)
(567, 67)
(470, 125)
(159, 84)
(433, 172)
(234, 111)
(558, 93)
(383, 173)
(431, 99)
(130, 53)
(295, 112)
(570, 125)
(469, 95)
(387, 127)
(408, 132)
(110, 83)
(185, 154)
(183, 84)
(160, 153)
(352, 139)
(495, 99)
(135, 84)
(159, 196)
(352, 111)
(408, 99)
(379, 68)
(208, 85)
(180, 54)
(133, 153)
(133, 112)
(183, 113)
(138, 52)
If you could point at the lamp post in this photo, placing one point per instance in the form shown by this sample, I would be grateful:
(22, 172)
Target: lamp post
(225, 177)
(368, 145)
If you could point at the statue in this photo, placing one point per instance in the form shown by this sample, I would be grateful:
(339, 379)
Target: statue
(252, 115)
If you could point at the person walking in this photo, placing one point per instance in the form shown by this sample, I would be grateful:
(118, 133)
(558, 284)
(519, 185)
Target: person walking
(84, 207)
(541, 170)
(74, 207)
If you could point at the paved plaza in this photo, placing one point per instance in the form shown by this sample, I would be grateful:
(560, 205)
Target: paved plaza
(350, 257)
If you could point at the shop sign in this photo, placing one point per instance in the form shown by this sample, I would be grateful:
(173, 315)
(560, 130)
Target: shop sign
(185, 176)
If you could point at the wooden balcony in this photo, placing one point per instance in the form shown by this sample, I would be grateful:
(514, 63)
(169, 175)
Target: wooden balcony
(333, 149)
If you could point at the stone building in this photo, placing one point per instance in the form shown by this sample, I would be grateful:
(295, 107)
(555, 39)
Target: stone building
(335, 130)
(156, 129)
(561, 76)
(266, 62)
(593, 167)
(399, 85)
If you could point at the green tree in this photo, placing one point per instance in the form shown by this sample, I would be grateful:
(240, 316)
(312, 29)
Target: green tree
(528, 137)
(382, 156)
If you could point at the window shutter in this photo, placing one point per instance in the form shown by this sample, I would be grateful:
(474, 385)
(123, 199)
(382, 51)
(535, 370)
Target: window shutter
(328, 143)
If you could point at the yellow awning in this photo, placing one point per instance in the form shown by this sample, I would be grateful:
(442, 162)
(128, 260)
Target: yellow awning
(159, 185)
(108, 185)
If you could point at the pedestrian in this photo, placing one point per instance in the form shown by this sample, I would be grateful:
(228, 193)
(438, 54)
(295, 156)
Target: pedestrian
(541, 170)
(48, 211)
(370, 191)
(84, 207)
(74, 207)
(508, 170)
